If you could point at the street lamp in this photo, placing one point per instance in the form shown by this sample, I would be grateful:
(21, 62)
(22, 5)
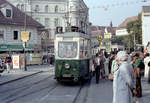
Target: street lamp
(25, 24)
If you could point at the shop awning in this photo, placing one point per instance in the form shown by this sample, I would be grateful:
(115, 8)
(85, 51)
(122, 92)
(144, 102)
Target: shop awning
(7, 47)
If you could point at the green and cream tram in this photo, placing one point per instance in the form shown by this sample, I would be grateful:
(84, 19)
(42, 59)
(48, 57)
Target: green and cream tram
(72, 54)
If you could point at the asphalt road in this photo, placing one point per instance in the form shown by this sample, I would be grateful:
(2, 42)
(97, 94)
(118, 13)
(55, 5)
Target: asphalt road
(43, 88)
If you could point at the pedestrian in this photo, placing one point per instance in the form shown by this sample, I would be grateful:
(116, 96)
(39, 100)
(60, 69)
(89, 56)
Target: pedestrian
(136, 63)
(7, 66)
(114, 65)
(124, 81)
(106, 66)
(147, 68)
(97, 67)
(111, 58)
(102, 60)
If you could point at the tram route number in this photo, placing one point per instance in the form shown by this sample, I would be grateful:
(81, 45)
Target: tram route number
(66, 75)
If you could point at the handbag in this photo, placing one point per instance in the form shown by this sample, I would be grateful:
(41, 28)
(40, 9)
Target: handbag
(111, 76)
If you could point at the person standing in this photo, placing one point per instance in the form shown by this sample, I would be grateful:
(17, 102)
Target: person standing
(136, 63)
(147, 68)
(106, 66)
(111, 58)
(124, 81)
(7, 66)
(114, 65)
(97, 67)
(102, 60)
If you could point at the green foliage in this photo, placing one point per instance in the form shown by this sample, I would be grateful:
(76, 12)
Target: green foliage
(134, 28)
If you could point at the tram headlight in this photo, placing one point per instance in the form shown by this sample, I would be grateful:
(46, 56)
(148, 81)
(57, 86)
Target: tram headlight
(67, 66)
(74, 69)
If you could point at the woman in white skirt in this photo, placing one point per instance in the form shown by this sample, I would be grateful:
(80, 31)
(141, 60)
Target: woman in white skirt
(147, 68)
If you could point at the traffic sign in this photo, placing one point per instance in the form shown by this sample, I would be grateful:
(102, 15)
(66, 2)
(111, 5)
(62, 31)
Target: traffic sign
(99, 37)
(107, 36)
(24, 36)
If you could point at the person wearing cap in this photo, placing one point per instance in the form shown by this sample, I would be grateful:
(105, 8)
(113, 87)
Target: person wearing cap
(124, 83)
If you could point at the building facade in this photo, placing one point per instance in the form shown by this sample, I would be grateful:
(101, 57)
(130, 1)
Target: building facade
(56, 13)
(121, 29)
(145, 25)
(12, 24)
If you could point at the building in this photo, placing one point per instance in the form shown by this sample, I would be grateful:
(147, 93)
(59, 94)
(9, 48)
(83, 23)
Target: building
(145, 25)
(121, 29)
(100, 31)
(56, 13)
(12, 23)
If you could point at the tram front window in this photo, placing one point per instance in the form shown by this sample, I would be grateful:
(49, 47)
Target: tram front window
(67, 49)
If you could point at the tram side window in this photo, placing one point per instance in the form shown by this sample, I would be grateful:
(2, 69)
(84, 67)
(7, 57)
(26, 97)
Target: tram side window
(84, 49)
(81, 48)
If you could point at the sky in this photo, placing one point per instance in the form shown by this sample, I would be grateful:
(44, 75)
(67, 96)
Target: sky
(102, 12)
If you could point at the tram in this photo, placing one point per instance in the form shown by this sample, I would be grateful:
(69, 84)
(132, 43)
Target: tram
(73, 55)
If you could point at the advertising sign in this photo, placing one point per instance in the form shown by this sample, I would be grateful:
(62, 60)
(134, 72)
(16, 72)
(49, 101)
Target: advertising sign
(107, 36)
(24, 36)
(15, 59)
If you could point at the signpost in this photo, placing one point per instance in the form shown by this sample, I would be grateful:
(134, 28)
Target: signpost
(107, 37)
(25, 38)
(100, 38)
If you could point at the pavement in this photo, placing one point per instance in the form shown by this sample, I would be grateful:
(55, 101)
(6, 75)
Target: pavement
(16, 74)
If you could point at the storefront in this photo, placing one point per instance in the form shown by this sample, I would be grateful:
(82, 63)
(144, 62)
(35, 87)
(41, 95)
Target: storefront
(15, 48)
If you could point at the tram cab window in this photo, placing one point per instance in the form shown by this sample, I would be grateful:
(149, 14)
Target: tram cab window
(67, 49)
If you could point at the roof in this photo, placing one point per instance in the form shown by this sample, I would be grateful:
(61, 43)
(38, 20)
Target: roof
(100, 30)
(18, 17)
(146, 9)
(123, 25)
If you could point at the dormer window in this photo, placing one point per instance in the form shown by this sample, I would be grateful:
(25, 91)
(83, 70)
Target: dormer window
(22, 7)
(56, 9)
(8, 13)
(37, 8)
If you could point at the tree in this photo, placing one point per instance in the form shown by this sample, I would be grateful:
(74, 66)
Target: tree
(134, 28)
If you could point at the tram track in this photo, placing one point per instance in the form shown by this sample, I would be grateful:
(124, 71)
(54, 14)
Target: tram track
(30, 93)
(87, 85)
(23, 88)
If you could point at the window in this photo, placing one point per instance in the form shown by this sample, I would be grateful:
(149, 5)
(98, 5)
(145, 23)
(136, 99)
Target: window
(8, 13)
(46, 8)
(37, 19)
(22, 7)
(84, 48)
(67, 49)
(56, 22)
(46, 21)
(18, 6)
(56, 9)
(15, 35)
(1, 34)
(36, 8)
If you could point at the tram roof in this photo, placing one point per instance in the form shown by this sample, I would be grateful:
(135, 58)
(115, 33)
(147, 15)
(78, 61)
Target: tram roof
(73, 34)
